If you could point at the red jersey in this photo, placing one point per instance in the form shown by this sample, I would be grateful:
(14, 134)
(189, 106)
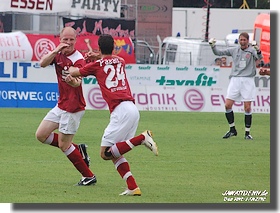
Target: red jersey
(71, 99)
(111, 76)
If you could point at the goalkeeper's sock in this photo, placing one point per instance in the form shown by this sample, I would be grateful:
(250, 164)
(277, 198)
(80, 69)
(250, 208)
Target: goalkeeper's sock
(229, 116)
(248, 120)
(123, 169)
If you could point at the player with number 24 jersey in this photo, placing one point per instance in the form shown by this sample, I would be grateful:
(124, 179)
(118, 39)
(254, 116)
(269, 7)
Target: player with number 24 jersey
(119, 135)
(110, 72)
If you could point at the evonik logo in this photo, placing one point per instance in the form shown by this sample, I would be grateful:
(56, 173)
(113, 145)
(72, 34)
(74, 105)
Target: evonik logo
(201, 80)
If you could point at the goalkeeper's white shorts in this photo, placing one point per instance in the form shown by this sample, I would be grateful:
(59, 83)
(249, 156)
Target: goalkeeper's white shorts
(241, 89)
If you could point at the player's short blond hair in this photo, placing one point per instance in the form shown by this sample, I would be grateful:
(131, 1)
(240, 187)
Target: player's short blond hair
(68, 28)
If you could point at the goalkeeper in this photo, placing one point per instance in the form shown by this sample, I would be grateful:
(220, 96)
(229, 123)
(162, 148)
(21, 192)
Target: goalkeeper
(242, 83)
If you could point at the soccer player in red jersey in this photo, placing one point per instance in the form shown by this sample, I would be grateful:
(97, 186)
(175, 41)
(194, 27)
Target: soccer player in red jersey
(118, 137)
(70, 108)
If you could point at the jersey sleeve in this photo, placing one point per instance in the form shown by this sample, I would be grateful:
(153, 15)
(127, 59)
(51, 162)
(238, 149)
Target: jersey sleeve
(80, 63)
(88, 69)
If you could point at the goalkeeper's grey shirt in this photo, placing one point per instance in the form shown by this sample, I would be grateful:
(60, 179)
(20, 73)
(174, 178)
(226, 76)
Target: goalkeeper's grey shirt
(244, 61)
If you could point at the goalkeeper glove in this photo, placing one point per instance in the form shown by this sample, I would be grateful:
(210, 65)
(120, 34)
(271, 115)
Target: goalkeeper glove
(256, 47)
(212, 42)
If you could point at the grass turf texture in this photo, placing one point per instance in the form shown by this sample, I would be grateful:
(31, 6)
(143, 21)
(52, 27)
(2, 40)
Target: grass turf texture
(195, 165)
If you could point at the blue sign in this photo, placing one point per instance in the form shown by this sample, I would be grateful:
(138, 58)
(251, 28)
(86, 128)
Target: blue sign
(30, 95)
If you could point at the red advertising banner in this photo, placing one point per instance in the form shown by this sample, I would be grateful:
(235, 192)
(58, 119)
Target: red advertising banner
(20, 46)
(42, 44)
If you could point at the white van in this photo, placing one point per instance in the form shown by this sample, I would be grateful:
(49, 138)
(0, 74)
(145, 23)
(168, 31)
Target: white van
(189, 51)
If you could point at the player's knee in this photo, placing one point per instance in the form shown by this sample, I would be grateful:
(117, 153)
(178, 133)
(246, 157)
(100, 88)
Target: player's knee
(107, 154)
(104, 157)
(39, 137)
(64, 145)
(247, 109)
(227, 106)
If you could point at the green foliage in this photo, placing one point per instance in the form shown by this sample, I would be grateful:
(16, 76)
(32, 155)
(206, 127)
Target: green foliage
(195, 165)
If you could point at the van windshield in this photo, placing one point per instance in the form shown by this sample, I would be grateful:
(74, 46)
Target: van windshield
(171, 52)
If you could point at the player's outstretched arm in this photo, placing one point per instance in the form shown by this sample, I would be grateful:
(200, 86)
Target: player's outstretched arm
(92, 55)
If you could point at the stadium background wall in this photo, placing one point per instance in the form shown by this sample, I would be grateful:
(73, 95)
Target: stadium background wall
(155, 88)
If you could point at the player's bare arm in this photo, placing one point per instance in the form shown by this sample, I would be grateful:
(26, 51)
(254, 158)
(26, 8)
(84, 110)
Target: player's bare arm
(73, 81)
(93, 55)
(48, 58)
(74, 71)
(87, 41)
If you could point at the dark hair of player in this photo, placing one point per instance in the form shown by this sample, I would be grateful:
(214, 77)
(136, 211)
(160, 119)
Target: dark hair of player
(106, 44)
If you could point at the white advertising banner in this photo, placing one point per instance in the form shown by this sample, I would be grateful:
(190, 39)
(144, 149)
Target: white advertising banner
(180, 88)
(190, 99)
(35, 6)
(154, 87)
(109, 9)
(83, 8)
(26, 71)
(15, 46)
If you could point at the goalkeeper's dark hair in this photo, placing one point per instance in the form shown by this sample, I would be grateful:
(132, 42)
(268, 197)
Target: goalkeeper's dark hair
(106, 44)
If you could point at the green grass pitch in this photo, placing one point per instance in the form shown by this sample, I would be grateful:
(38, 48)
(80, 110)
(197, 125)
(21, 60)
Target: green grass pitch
(195, 165)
